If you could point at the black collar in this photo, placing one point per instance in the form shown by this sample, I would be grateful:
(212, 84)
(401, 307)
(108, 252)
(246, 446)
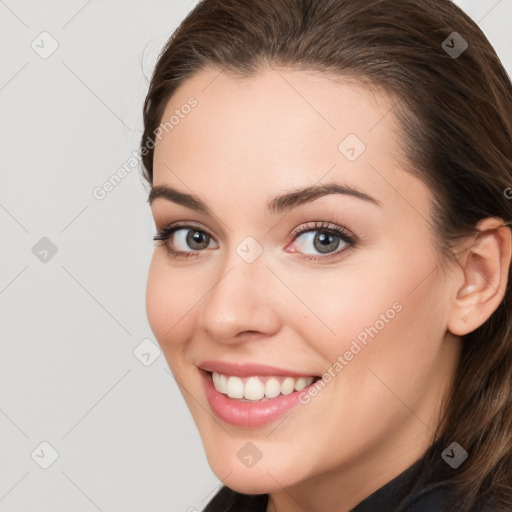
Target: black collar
(429, 498)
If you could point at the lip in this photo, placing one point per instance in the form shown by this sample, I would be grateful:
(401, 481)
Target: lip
(248, 414)
(248, 369)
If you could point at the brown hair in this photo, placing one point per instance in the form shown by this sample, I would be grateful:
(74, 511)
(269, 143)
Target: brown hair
(456, 116)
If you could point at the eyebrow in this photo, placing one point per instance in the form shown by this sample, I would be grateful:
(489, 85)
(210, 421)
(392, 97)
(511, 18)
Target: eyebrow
(278, 204)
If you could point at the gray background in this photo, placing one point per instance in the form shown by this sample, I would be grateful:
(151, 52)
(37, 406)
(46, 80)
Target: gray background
(73, 371)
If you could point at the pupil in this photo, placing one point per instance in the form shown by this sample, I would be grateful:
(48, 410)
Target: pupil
(197, 237)
(325, 241)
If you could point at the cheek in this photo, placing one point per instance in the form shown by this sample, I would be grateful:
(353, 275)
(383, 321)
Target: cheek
(158, 299)
(384, 303)
(170, 299)
(389, 327)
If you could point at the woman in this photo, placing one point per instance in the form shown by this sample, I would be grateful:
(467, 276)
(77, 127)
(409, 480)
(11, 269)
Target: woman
(331, 284)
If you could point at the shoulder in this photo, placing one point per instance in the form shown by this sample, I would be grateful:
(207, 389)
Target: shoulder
(442, 498)
(436, 499)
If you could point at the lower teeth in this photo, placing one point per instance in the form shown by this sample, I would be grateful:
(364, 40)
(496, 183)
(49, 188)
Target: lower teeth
(264, 399)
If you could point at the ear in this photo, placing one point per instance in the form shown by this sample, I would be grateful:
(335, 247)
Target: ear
(485, 266)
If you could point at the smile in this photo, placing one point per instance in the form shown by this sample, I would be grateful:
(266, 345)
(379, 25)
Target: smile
(257, 388)
(252, 395)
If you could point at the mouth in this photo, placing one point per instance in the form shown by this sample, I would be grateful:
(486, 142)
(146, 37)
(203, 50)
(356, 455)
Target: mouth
(258, 388)
(253, 400)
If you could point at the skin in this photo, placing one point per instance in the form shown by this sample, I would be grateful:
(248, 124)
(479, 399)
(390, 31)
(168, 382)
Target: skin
(245, 142)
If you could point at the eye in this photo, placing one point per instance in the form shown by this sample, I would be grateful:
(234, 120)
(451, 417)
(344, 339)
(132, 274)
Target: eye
(319, 241)
(194, 239)
(322, 241)
(184, 240)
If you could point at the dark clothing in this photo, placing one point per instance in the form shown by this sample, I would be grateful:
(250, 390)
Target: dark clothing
(430, 497)
(386, 497)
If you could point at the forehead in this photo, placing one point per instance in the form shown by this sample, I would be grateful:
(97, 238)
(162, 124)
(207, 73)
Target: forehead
(278, 129)
(275, 107)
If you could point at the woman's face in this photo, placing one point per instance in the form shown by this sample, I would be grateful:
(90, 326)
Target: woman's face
(269, 282)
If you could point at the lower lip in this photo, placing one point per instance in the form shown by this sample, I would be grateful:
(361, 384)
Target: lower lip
(248, 414)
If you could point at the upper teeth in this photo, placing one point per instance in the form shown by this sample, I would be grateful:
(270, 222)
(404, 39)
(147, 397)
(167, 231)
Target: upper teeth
(255, 388)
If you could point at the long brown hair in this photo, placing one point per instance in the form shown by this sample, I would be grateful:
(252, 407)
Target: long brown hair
(455, 111)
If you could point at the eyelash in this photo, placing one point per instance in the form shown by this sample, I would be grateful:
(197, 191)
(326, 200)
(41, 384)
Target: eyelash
(165, 233)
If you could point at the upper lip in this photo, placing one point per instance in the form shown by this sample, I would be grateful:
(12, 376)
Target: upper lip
(248, 369)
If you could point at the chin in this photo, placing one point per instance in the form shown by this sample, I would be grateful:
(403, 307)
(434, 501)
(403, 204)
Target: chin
(247, 482)
(265, 476)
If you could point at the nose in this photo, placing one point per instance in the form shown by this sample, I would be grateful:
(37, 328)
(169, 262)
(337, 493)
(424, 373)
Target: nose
(241, 302)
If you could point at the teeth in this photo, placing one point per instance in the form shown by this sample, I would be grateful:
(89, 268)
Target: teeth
(220, 382)
(256, 388)
(272, 388)
(288, 385)
(235, 388)
(301, 383)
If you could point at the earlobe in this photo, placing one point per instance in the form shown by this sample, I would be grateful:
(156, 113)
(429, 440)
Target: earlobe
(485, 268)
